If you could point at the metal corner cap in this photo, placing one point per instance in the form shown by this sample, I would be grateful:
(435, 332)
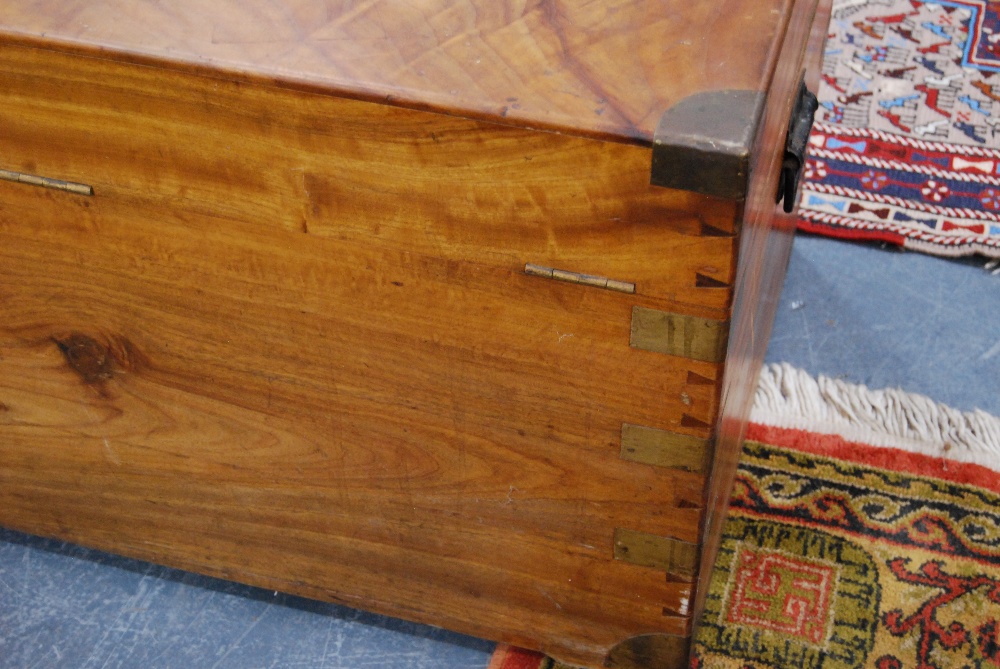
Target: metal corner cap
(703, 143)
(666, 651)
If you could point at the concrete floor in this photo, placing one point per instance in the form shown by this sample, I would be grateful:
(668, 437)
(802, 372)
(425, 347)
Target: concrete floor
(888, 318)
(874, 316)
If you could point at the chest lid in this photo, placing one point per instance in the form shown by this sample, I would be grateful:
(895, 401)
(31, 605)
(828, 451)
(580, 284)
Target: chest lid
(607, 68)
(684, 76)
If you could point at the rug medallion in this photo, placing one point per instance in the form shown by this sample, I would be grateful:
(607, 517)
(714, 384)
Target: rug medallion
(829, 564)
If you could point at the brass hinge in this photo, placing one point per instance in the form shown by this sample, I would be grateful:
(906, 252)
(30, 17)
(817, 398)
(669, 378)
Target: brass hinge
(46, 182)
(582, 279)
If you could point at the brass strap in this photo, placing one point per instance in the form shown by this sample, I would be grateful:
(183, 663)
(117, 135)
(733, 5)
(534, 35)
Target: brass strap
(690, 337)
(652, 446)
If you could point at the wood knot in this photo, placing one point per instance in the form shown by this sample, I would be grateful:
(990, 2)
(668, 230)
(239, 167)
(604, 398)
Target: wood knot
(88, 357)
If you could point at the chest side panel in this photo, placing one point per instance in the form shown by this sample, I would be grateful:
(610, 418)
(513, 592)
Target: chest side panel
(290, 340)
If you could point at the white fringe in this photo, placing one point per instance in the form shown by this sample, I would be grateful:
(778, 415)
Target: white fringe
(789, 397)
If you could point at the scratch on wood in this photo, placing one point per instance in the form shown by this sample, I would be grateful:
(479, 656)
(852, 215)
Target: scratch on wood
(510, 496)
(112, 455)
(550, 598)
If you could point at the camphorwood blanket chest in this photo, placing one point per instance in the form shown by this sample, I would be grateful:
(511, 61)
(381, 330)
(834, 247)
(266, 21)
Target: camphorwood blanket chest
(449, 310)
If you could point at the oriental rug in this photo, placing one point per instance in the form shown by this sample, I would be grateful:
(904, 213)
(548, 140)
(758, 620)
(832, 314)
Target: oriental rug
(874, 544)
(906, 147)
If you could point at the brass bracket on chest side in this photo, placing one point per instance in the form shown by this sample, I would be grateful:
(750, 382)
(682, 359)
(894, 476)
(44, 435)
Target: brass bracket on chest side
(678, 558)
(690, 337)
(661, 448)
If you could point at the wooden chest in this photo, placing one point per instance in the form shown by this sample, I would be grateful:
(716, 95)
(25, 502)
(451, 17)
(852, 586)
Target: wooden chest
(446, 310)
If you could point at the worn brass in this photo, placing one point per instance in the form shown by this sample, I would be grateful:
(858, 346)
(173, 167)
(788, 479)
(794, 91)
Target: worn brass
(691, 337)
(677, 558)
(582, 279)
(703, 143)
(652, 446)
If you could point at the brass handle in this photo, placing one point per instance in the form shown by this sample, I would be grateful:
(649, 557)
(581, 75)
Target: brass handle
(799, 128)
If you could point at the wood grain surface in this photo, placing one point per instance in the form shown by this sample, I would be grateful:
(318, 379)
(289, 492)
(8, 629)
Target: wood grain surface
(425, 183)
(361, 425)
(279, 330)
(608, 68)
(289, 341)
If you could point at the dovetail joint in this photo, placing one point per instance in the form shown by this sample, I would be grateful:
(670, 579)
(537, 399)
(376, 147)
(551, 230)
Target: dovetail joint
(582, 279)
(46, 182)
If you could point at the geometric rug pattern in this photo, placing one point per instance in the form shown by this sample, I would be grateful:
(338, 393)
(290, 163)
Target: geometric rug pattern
(833, 563)
(906, 146)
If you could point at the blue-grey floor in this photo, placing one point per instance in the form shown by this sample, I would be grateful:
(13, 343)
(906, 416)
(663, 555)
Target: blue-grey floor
(874, 316)
(889, 318)
(64, 606)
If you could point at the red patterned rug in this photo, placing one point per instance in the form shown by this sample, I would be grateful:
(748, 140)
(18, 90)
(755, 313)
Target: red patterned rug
(906, 148)
(830, 562)
(839, 553)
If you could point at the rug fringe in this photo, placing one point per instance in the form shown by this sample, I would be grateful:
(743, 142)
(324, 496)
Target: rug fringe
(791, 398)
